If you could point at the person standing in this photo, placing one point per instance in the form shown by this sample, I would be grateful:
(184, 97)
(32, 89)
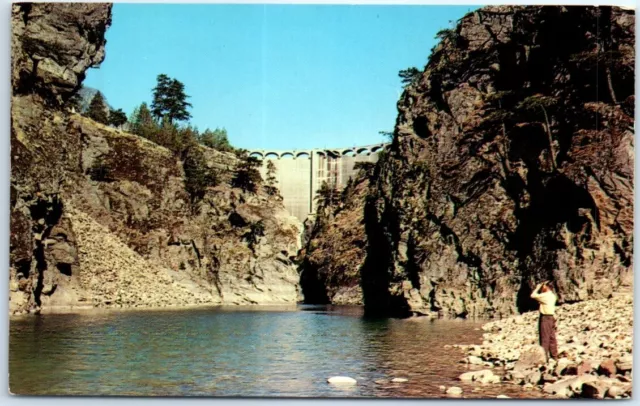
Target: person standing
(544, 295)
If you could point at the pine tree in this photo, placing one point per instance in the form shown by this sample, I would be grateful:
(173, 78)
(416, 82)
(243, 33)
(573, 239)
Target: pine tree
(142, 123)
(117, 118)
(160, 95)
(97, 110)
(169, 100)
(409, 76)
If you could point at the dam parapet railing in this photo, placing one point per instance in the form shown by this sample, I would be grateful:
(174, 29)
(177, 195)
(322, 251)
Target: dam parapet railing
(300, 173)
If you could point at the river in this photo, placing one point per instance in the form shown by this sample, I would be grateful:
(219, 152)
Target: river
(239, 351)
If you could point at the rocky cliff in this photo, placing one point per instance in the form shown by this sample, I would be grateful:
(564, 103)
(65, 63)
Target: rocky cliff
(101, 218)
(512, 161)
(337, 241)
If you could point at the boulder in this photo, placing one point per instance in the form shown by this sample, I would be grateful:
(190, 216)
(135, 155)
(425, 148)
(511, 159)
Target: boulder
(624, 364)
(531, 358)
(585, 367)
(399, 380)
(594, 390)
(473, 360)
(454, 390)
(607, 368)
(533, 377)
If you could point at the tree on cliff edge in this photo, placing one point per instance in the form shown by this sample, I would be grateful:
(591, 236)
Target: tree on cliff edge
(97, 110)
(247, 176)
(142, 123)
(271, 187)
(117, 118)
(169, 100)
(216, 139)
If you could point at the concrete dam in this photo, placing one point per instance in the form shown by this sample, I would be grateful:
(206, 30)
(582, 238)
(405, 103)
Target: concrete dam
(300, 173)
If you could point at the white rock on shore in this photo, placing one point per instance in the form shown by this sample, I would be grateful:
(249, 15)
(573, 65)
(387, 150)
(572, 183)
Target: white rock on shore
(342, 380)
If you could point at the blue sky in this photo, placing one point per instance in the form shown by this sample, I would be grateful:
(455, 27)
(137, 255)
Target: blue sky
(275, 76)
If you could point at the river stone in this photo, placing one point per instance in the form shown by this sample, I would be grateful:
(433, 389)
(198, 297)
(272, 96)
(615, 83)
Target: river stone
(594, 390)
(344, 380)
(624, 364)
(483, 376)
(616, 391)
(502, 397)
(398, 380)
(454, 390)
(607, 368)
(442, 388)
(585, 367)
(533, 377)
(531, 358)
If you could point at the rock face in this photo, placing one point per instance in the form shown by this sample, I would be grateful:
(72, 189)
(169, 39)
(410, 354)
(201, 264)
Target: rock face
(52, 46)
(512, 161)
(101, 218)
(336, 247)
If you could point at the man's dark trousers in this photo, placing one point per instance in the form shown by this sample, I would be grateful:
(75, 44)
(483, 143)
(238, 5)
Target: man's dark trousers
(547, 328)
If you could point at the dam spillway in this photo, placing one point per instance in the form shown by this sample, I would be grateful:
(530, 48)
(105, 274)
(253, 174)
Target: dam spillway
(300, 173)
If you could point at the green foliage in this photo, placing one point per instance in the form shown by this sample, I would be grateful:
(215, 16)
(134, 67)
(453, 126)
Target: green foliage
(198, 176)
(447, 33)
(327, 195)
(247, 176)
(409, 76)
(216, 139)
(271, 179)
(117, 118)
(142, 123)
(537, 101)
(169, 100)
(97, 110)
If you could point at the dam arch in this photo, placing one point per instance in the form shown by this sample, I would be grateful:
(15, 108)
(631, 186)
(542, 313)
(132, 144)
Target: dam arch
(300, 173)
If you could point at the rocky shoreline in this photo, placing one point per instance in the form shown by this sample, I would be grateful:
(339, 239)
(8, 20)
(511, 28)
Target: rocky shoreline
(595, 346)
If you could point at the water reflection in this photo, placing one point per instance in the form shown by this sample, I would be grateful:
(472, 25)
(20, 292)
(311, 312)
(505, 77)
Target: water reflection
(237, 352)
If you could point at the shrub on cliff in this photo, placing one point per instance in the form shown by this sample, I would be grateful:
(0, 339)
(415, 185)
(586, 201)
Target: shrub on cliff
(271, 187)
(327, 195)
(247, 176)
(409, 76)
(198, 176)
(256, 230)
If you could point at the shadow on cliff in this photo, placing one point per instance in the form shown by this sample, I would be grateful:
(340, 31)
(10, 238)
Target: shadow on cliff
(555, 202)
(375, 277)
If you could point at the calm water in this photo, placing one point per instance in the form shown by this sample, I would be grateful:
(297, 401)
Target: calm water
(238, 352)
